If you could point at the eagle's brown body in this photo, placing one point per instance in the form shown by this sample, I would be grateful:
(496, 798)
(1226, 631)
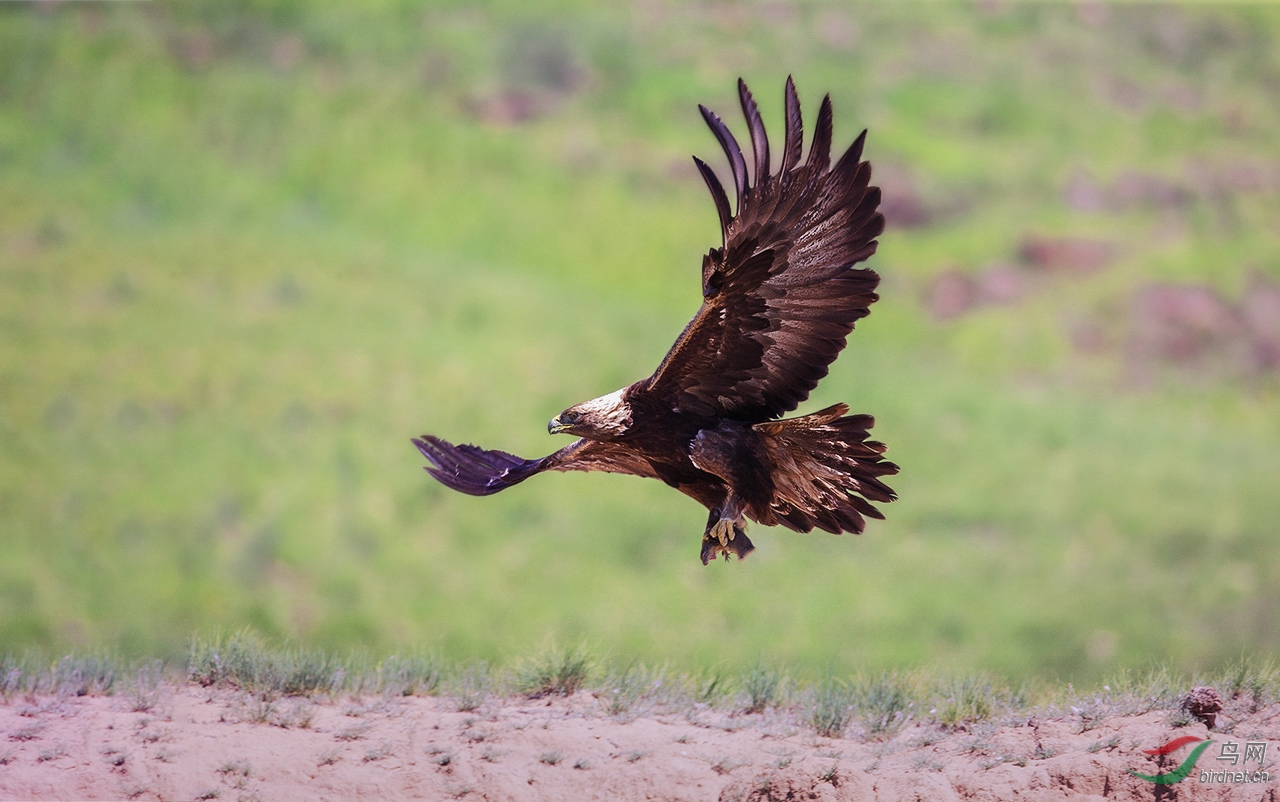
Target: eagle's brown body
(779, 297)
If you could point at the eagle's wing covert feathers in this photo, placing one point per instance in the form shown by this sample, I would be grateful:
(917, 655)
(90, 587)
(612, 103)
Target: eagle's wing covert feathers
(781, 294)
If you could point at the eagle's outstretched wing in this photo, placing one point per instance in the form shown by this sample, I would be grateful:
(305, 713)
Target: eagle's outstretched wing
(782, 293)
(478, 472)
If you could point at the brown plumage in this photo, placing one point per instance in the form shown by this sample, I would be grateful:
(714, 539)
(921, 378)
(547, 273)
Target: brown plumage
(780, 295)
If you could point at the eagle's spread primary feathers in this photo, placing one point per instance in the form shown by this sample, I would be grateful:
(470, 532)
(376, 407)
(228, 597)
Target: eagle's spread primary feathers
(780, 295)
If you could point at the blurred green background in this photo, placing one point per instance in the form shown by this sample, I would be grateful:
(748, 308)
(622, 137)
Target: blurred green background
(247, 250)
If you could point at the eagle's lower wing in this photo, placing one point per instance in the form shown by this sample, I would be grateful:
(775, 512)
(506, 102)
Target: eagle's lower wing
(480, 472)
(782, 293)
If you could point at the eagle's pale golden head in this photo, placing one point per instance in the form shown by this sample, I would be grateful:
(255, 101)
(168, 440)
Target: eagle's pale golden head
(605, 418)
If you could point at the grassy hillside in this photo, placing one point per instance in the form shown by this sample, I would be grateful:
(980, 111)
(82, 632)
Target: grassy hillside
(246, 252)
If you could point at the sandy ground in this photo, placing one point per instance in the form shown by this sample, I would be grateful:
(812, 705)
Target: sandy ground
(201, 744)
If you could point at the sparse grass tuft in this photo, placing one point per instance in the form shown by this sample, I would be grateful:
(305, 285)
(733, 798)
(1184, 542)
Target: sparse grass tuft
(354, 733)
(28, 733)
(52, 752)
(230, 767)
(709, 687)
(726, 764)
(622, 691)
(761, 684)
(470, 687)
(409, 675)
(246, 661)
(84, 675)
(383, 750)
(144, 686)
(1157, 688)
(558, 671)
(1255, 681)
(882, 702)
(830, 708)
(968, 699)
(1099, 745)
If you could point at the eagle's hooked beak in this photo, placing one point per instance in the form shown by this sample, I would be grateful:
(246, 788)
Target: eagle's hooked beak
(562, 422)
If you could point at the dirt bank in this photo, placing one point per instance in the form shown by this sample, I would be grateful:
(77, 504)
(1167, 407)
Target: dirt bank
(200, 744)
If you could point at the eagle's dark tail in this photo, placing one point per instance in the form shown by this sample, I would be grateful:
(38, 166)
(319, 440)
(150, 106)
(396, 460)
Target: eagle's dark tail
(473, 470)
(825, 471)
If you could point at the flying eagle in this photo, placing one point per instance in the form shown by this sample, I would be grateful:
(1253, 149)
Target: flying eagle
(779, 297)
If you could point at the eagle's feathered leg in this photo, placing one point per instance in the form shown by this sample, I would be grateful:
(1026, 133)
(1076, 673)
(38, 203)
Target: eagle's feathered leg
(726, 532)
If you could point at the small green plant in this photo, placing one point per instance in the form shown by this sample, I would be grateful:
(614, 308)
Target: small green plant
(409, 675)
(582, 763)
(761, 684)
(556, 671)
(551, 758)
(1099, 745)
(622, 691)
(1141, 692)
(1092, 713)
(245, 661)
(1256, 681)
(710, 687)
(882, 703)
(830, 708)
(968, 699)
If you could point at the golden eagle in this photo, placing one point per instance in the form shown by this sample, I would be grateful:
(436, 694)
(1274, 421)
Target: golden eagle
(779, 296)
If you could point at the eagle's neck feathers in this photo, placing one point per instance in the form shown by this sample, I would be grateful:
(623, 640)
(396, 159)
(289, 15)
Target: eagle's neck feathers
(610, 414)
